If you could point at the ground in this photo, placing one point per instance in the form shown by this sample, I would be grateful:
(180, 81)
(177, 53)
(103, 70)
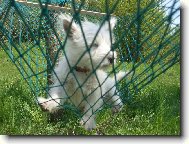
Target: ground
(155, 110)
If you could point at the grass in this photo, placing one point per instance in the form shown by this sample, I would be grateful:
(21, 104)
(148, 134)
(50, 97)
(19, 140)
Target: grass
(153, 111)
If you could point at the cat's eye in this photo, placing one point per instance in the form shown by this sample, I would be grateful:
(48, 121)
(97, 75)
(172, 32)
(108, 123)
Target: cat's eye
(95, 45)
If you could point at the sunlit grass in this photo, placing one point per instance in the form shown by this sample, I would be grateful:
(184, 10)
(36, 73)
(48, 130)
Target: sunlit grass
(155, 110)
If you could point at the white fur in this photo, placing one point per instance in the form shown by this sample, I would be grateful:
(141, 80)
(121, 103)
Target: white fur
(97, 88)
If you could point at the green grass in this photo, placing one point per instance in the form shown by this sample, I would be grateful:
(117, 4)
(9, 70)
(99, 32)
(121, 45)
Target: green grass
(153, 111)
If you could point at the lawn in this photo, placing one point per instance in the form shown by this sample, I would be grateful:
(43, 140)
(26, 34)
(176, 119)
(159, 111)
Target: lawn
(155, 110)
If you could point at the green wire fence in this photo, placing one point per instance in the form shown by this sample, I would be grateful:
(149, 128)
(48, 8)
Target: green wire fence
(147, 38)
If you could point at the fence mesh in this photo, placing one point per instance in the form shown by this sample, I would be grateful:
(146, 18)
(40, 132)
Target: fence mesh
(147, 40)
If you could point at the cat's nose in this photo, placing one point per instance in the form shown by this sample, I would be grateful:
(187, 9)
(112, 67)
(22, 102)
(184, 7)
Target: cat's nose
(111, 60)
(112, 57)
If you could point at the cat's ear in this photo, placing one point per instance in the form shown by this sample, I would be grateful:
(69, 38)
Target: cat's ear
(69, 26)
(113, 22)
